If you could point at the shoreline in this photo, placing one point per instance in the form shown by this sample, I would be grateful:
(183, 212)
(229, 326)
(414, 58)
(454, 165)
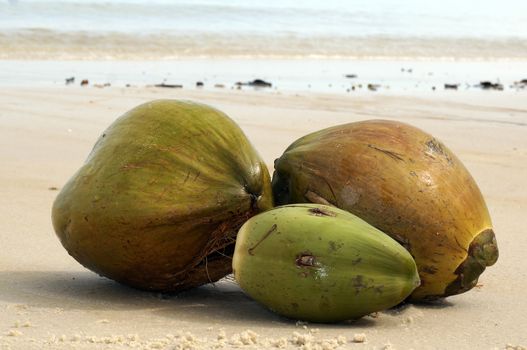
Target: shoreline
(128, 44)
(315, 75)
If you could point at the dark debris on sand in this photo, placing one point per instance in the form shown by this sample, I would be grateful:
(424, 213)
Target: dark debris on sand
(488, 85)
(521, 84)
(170, 86)
(451, 86)
(255, 83)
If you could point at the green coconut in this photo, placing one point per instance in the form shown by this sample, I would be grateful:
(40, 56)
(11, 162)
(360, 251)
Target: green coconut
(321, 264)
(159, 200)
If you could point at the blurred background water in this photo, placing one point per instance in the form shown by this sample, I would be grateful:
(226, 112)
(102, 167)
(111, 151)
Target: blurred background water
(164, 29)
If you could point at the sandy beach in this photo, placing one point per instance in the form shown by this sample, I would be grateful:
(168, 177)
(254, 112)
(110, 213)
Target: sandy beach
(48, 300)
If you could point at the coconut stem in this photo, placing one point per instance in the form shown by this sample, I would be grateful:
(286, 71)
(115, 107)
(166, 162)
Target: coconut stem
(482, 252)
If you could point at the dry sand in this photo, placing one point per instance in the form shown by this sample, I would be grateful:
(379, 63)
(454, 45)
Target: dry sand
(47, 300)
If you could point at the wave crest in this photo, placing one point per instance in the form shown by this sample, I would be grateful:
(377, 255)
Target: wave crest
(45, 44)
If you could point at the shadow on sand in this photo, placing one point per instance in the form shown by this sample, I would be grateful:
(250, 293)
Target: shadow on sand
(405, 306)
(221, 302)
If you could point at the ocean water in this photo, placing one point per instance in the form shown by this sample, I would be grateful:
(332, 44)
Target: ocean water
(278, 29)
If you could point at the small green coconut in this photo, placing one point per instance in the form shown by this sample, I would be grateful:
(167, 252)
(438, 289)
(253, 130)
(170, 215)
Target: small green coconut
(321, 264)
